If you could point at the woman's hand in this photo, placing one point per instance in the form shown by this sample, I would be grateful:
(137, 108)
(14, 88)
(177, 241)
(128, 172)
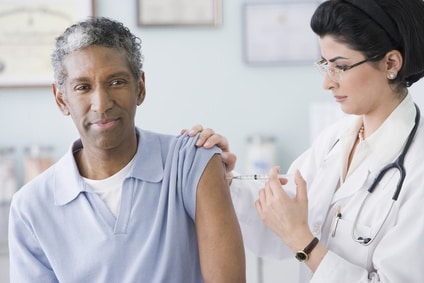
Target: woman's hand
(208, 138)
(285, 216)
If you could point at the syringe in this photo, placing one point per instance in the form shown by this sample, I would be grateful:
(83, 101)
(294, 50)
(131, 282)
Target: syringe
(257, 177)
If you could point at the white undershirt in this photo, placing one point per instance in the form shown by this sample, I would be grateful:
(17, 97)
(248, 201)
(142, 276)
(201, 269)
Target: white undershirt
(110, 189)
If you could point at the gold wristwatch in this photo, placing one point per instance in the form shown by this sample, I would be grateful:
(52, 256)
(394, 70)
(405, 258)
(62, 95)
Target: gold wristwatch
(303, 255)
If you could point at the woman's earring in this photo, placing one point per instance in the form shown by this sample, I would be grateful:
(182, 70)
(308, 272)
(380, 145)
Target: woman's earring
(392, 75)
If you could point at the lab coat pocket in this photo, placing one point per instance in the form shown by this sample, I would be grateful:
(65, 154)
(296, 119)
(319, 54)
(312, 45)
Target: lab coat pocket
(341, 241)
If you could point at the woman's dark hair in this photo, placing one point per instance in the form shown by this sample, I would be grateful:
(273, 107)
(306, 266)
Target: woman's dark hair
(363, 26)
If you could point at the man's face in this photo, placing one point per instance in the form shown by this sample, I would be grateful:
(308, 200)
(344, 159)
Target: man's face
(101, 95)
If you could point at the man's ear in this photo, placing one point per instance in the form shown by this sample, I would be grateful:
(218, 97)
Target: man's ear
(141, 89)
(58, 95)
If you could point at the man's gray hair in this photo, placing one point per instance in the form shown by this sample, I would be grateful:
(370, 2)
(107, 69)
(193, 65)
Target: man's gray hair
(96, 31)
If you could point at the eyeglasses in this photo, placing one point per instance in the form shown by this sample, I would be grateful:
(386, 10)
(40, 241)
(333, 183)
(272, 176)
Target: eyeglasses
(335, 72)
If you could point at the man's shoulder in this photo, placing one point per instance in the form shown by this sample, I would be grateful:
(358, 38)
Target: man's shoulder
(148, 134)
(180, 142)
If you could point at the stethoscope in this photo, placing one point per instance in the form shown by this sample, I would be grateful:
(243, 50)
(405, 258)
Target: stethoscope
(398, 164)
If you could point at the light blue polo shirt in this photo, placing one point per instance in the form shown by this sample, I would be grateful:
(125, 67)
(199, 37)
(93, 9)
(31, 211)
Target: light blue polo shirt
(61, 231)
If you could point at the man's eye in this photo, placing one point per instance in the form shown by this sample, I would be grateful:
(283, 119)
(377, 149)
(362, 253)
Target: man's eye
(81, 87)
(117, 82)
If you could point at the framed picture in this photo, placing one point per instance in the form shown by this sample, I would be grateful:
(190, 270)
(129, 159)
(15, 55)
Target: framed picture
(279, 33)
(28, 29)
(179, 12)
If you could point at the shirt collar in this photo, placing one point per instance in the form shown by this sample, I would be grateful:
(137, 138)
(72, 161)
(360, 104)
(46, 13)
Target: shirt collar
(385, 143)
(150, 158)
(148, 166)
(68, 183)
(393, 132)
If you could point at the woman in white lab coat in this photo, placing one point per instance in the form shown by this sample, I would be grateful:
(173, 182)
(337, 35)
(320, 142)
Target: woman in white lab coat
(372, 51)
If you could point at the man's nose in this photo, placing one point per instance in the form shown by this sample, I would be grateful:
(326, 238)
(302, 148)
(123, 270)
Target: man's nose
(101, 100)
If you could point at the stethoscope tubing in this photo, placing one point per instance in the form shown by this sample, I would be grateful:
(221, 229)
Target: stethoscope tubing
(397, 164)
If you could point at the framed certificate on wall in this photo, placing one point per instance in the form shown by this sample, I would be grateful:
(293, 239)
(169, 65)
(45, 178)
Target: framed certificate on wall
(279, 33)
(28, 29)
(179, 12)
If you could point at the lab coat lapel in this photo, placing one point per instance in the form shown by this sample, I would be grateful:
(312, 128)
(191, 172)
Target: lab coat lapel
(321, 190)
(401, 119)
(356, 181)
(362, 177)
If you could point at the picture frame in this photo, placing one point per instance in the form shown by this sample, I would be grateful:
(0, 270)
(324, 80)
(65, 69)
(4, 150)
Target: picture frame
(279, 33)
(28, 29)
(152, 13)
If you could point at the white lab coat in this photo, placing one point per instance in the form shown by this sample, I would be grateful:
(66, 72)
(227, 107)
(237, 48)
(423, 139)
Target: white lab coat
(397, 252)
